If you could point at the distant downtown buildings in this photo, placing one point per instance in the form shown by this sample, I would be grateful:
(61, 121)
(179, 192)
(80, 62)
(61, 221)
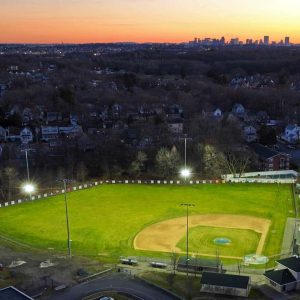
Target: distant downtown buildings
(236, 42)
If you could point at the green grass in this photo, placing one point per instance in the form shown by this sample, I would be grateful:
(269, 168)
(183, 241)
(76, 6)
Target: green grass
(201, 240)
(104, 220)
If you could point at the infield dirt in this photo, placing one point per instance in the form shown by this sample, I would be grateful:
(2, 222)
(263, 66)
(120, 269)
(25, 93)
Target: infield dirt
(165, 235)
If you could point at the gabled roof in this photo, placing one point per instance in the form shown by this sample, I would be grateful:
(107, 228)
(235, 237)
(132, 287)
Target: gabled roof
(292, 127)
(225, 280)
(265, 152)
(292, 263)
(11, 293)
(281, 277)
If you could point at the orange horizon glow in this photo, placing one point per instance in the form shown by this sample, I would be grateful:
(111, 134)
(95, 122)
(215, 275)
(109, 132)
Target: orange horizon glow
(92, 21)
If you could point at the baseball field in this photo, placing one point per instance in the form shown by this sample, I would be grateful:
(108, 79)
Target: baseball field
(113, 220)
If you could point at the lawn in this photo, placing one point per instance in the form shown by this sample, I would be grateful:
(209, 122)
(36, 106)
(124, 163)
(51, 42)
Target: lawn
(201, 240)
(104, 220)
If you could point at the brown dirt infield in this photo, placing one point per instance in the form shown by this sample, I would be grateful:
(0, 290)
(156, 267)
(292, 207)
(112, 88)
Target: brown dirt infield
(165, 235)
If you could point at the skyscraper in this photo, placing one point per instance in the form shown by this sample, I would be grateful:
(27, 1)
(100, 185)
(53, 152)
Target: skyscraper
(287, 41)
(266, 40)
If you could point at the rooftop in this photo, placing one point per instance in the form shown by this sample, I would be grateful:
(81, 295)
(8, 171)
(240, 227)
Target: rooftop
(281, 277)
(265, 152)
(12, 293)
(225, 280)
(292, 263)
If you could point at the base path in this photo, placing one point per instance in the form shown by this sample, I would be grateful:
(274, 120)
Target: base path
(165, 235)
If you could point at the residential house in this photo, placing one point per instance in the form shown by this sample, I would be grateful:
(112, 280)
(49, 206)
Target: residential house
(225, 284)
(286, 277)
(175, 126)
(239, 110)
(70, 130)
(26, 136)
(49, 133)
(53, 117)
(250, 134)
(216, 113)
(26, 116)
(174, 111)
(73, 119)
(13, 134)
(271, 160)
(3, 134)
(263, 117)
(3, 88)
(292, 134)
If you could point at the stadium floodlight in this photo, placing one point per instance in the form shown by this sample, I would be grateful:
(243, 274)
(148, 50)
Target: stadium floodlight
(28, 188)
(185, 173)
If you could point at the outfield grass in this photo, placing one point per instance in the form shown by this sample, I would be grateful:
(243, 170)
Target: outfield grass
(201, 240)
(104, 220)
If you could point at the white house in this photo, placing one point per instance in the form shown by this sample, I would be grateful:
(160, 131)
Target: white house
(292, 134)
(238, 109)
(250, 133)
(217, 113)
(49, 133)
(26, 136)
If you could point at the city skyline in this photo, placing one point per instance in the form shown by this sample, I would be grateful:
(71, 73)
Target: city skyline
(74, 21)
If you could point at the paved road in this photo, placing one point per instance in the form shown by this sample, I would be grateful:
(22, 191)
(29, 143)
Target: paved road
(114, 282)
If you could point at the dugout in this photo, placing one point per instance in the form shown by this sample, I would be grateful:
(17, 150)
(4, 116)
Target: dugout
(198, 265)
(225, 284)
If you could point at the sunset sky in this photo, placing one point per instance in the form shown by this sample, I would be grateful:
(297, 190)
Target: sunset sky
(81, 21)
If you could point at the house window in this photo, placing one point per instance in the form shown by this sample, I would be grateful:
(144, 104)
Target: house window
(282, 162)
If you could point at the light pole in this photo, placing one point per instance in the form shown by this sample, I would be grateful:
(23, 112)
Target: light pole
(65, 181)
(187, 205)
(28, 187)
(185, 173)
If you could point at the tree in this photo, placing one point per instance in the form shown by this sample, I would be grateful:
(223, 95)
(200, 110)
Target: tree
(236, 163)
(139, 163)
(174, 259)
(82, 172)
(267, 136)
(8, 179)
(212, 160)
(167, 161)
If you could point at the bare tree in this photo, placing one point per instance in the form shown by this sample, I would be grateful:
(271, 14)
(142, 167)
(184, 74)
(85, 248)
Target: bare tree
(174, 260)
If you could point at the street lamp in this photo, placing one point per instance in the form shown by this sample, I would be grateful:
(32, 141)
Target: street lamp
(187, 205)
(65, 181)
